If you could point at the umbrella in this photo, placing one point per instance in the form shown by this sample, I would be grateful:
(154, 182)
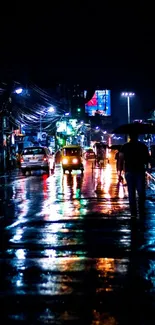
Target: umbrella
(135, 128)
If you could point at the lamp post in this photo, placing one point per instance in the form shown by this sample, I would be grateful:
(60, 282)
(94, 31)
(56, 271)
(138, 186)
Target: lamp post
(128, 96)
(51, 109)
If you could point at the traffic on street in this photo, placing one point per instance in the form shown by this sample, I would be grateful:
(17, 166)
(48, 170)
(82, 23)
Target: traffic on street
(70, 252)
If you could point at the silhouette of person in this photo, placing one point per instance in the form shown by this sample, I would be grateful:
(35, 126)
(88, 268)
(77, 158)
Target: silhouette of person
(135, 157)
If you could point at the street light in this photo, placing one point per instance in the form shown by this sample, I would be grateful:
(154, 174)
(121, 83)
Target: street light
(51, 109)
(128, 95)
(18, 91)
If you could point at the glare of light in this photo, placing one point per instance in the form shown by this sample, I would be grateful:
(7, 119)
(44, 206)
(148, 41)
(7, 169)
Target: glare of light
(109, 155)
(12, 139)
(121, 191)
(105, 265)
(51, 109)
(75, 161)
(49, 238)
(65, 161)
(74, 183)
(66, 114)
(50, 253)
(128, 94)
(24, 208)
(19, 283)
(18, 91)
(107, 178)
(20, 254)
(18, 235)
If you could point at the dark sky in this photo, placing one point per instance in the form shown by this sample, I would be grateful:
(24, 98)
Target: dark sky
(92, 44)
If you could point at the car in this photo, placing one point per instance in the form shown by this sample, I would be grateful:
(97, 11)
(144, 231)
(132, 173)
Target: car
(89, 154)
(35, 158)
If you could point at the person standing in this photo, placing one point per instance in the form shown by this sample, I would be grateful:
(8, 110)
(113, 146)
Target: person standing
(135, 157)
(119, 167)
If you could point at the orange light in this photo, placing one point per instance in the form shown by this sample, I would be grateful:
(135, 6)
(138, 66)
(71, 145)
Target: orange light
(65, 161)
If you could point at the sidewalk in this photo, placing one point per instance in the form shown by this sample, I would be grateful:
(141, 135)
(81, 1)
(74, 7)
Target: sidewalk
(9, 173)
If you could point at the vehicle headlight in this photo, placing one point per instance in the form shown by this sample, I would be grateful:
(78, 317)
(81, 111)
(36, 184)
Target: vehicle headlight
(65, 161)
(75, 161)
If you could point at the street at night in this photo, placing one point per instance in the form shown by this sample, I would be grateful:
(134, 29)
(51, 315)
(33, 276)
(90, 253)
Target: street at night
(70, 252)
(77, 164)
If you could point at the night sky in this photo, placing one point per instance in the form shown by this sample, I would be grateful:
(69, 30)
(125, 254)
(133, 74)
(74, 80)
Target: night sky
(94, 45)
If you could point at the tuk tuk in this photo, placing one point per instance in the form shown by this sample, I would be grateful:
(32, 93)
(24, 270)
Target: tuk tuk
(72, 158)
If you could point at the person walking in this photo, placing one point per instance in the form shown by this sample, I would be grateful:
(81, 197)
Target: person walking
(134, 155)
(119, 167)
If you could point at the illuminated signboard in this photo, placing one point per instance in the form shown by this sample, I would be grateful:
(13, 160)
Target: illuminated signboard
(66, 127)
(61, 126)
(99, 104)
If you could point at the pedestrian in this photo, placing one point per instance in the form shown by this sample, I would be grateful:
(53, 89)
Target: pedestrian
(119, 167)
(134, 156)
(13, 158)
(58, 156)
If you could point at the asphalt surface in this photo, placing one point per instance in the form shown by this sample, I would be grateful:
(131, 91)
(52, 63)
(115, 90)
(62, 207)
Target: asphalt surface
(70, 253)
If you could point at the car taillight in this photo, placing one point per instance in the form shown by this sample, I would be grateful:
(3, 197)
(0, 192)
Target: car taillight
(21, 159)
(45, 158)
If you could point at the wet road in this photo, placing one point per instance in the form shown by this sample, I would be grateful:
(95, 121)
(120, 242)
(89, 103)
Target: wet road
(70, 254)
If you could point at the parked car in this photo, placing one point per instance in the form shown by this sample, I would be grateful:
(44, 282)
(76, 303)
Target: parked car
(89, 154)
(35, 158)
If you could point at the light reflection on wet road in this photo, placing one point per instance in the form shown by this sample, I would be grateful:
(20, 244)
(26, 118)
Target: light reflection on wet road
(70, 253)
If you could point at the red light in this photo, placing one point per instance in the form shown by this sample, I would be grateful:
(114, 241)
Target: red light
(44, 159)
(21, 159)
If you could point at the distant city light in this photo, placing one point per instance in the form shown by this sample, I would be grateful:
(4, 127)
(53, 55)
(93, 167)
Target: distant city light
(18, 91)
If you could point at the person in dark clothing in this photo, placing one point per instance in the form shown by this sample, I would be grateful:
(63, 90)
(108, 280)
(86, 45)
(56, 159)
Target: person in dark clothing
(119, 167)
(135, 157)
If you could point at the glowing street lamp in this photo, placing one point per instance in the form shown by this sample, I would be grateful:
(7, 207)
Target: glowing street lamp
(128, 95)
(18, 91)
(51, 109)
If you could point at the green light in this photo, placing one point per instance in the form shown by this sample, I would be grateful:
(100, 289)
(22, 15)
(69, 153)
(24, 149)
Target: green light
(78, 109)
(61, 141)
